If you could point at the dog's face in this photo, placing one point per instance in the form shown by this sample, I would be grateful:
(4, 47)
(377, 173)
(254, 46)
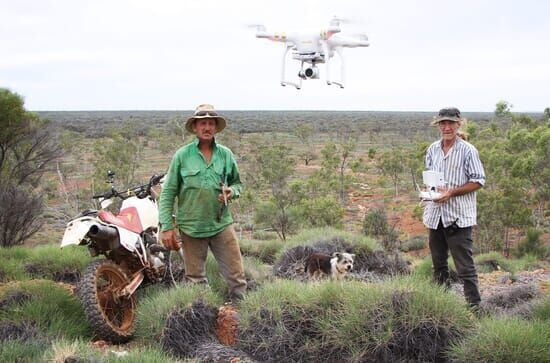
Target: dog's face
(344, 261)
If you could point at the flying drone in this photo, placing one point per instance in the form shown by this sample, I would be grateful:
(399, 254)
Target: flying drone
(313, 47)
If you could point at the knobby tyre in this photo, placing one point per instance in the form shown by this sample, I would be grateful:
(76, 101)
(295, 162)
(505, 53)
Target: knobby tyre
(111, 318)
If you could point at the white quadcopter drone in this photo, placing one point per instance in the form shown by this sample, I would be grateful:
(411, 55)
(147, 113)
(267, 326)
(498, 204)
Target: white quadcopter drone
(312, 48)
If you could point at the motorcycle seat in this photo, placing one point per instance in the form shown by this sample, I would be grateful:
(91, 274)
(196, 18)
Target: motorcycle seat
(128, 218)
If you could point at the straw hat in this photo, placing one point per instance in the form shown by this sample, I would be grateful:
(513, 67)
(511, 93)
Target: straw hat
(205, 111)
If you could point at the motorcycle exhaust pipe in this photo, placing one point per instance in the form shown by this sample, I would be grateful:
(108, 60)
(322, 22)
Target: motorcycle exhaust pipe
(105, 233)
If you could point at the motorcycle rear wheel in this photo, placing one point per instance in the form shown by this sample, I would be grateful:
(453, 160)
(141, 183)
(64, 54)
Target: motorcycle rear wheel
(111, 318)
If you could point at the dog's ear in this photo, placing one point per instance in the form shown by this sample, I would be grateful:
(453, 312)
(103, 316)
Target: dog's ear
(352, 255)
(336, 254)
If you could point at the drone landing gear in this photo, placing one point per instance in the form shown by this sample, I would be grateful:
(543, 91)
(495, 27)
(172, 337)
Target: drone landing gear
(283, 82)
(342, 67)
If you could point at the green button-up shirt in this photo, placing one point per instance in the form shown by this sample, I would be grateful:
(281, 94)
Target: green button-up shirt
(196, 185)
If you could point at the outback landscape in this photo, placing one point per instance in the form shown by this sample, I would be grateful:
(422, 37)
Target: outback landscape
(314, 181)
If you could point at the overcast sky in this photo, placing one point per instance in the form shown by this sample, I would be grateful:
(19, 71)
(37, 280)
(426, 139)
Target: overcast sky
(173, 55)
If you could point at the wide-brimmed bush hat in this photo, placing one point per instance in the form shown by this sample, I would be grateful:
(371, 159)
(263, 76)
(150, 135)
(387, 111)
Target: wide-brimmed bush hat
(205, 111)
(447, 114)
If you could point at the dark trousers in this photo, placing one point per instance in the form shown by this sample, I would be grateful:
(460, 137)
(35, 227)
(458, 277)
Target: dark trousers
(459, 242)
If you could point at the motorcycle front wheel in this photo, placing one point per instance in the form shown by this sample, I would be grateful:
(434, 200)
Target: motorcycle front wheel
(111, 317)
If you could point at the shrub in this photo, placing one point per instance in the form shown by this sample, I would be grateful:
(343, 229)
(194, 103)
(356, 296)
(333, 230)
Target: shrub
(413, 244)
(376, 222)
(505, 340)
(532, 245)
(321, 211)
(406, 319)
(19, 215)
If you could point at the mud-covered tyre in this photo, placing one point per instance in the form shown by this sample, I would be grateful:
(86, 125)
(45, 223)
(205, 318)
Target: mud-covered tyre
(112, 319)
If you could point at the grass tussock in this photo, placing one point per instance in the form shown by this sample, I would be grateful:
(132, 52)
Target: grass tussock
(48, 262)
(315, 235)
(256, 272)
(18, 350)
(52, 307)
(265, 250)
(191, 333)
(405, 319)
(371, 263)
(153, 309)
(541, 308)
(510, 301)
(61, 351)
(505, 340)
(488, 262)
(424, 269)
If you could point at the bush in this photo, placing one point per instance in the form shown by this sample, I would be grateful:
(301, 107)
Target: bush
(413, 244)
(321, 211)
(19, 215)
(532, 245)
(406, 319)
(376, 222)
(505, 340)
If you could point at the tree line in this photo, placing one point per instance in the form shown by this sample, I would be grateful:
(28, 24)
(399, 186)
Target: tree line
(515, 149)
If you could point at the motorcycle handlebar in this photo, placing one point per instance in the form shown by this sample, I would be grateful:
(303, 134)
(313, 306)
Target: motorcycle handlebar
(138, 190)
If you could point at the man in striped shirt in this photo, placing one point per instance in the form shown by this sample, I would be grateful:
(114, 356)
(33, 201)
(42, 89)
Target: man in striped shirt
(451, 217)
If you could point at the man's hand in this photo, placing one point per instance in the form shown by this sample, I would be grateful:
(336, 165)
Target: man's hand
(445, 196)
(169, 240)
(228, 194)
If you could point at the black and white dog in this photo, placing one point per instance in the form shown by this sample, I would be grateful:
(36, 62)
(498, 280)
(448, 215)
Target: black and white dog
(336, 265)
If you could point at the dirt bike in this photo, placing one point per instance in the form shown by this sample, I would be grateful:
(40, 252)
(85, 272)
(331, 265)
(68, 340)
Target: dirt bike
(134, 257)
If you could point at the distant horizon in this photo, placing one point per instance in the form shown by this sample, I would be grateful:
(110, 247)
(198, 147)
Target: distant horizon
(273, 110)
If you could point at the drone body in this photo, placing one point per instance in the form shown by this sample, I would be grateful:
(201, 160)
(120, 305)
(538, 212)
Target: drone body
(313, 47)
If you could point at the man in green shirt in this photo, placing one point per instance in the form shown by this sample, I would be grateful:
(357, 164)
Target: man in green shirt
(203, 177)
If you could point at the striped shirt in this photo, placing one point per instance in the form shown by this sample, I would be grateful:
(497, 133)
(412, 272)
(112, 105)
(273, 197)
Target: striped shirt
(460, 166)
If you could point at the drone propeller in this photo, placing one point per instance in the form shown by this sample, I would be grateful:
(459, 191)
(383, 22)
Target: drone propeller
(337, 20)
(257, 27)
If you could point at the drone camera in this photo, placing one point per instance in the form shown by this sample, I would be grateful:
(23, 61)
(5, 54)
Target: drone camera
(309, 73)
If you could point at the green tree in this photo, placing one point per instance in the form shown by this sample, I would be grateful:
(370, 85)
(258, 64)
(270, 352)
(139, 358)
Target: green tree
(118, 154)
(336, 158)
(275, 166)
(304, 132)
(27, 151)
(392, 164)
(503, 109)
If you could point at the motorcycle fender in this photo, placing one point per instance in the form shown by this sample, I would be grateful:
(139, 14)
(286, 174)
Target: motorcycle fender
(76, 231)
(128, 239)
